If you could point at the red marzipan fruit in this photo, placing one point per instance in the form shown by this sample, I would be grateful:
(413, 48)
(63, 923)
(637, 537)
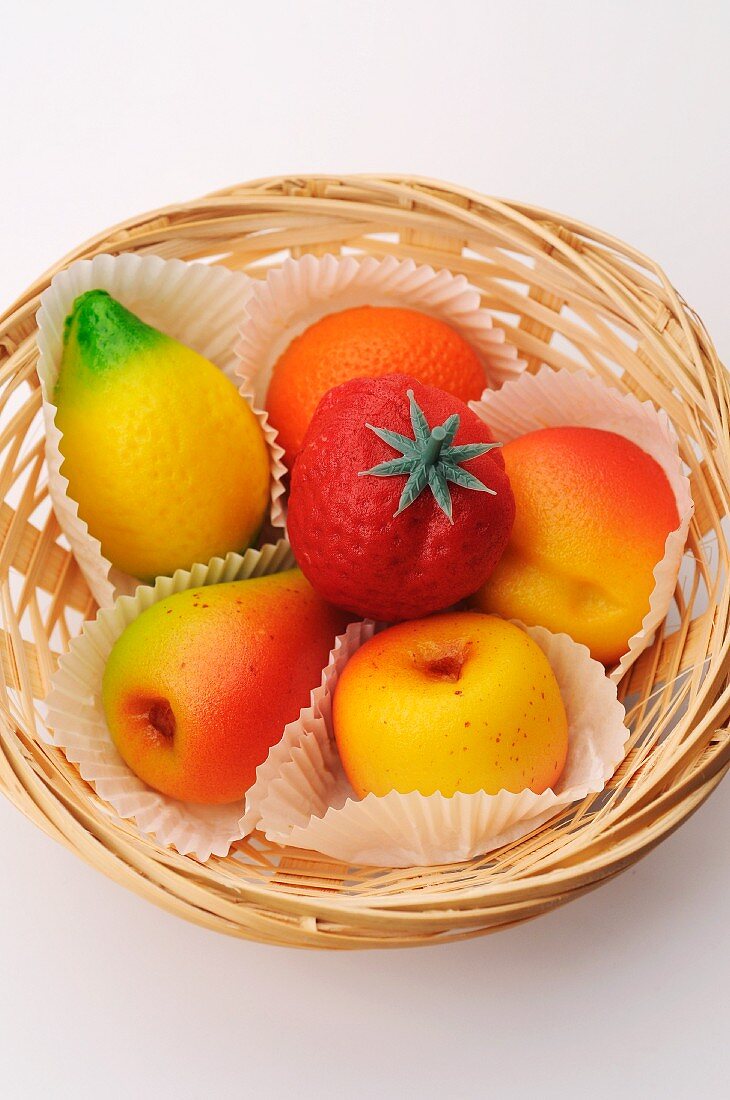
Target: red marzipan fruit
(347, 539)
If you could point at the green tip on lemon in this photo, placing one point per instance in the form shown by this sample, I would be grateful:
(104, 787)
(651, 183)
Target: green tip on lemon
(99, 334)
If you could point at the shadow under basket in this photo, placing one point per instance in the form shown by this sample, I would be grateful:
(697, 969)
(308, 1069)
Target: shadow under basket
(567, 295)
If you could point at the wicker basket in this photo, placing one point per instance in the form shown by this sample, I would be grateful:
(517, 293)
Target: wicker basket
(569, 296)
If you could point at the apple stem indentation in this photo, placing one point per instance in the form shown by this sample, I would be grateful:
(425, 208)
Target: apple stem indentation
(446, 668)
(442, 663)
(162, 719)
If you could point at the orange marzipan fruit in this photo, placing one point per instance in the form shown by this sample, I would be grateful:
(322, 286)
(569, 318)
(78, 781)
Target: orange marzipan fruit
(368, 341)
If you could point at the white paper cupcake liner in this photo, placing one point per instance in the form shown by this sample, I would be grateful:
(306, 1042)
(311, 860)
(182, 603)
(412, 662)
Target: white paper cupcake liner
(200, 305)
(302, 798)
(300, 292)
(76, 714)
(553, 398)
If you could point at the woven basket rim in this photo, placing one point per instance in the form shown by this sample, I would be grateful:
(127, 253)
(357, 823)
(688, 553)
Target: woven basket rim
(573, 270)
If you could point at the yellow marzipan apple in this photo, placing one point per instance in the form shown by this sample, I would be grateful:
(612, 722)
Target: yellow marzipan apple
(455, 702)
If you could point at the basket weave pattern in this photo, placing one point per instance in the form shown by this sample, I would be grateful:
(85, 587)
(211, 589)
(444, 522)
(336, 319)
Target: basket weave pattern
(568, 296)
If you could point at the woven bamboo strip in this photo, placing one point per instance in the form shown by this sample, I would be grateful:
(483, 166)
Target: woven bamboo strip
(573, 297)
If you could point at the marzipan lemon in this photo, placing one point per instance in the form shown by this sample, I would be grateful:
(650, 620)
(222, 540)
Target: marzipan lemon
(166, 460)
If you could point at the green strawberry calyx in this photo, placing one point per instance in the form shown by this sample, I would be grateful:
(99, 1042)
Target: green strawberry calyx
(429, 459)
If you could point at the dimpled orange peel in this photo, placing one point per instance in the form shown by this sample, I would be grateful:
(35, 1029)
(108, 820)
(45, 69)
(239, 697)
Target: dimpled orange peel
(460, 702)
(166, 460)
(368, 341)
(593, 512)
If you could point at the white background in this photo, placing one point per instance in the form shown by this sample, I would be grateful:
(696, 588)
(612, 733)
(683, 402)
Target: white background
(616, 113)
